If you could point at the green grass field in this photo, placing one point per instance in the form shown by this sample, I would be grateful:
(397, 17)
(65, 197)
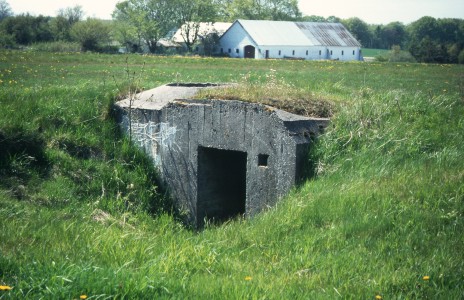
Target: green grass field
(81, 214)
(367, 52)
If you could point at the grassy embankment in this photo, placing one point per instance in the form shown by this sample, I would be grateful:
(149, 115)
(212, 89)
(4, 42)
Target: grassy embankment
(80, 214)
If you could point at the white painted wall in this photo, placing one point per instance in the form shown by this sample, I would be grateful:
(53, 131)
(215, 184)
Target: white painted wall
(309, 53)
(234, 42)
(343, 53)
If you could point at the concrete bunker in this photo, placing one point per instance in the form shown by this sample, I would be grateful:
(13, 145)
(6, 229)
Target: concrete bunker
(219, 159)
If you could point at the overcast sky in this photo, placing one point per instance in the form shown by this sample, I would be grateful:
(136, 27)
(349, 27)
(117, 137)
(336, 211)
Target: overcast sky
(371, 11)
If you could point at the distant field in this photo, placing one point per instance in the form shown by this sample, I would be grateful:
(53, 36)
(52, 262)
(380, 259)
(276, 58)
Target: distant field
(81, 213)
(373, 52)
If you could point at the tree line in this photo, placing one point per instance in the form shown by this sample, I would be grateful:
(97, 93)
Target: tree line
(428, 39)
(141, 24)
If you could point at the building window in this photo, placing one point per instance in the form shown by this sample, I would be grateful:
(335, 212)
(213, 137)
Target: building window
(237, 51)
(343, 52)
(293, 52)
(331, 52)
(307, 52)
(222, 50)
(320, 52)
(230, 50)
(197, 49)
(280, 52)
(354, 52)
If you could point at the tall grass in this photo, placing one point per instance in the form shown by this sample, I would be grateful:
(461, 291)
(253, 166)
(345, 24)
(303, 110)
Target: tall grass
(81, 212)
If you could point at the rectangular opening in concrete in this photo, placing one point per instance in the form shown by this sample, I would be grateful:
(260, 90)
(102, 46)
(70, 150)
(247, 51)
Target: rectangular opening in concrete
(221, 184)
(262, 160)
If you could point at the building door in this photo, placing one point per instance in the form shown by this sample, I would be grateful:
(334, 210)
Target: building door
(267, 54)
(249, 51)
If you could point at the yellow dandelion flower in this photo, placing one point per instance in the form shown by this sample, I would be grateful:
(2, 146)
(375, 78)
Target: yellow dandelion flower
(83, 297)
(378, 297)
(5, 288)
(426, 277)
(248, 278)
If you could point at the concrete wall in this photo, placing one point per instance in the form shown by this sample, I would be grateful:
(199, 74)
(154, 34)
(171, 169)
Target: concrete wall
(185, 139)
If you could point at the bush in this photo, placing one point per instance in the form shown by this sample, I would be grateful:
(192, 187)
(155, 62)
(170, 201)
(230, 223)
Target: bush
(91, 34)
(461, 57)
(402, 56)
(58, 46)
(396, 55)
(109, 49)
(7, 40)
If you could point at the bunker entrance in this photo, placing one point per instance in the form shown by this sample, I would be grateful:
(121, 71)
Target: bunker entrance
(221, 184)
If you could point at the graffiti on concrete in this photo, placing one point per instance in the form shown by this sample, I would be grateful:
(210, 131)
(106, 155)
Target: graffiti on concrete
(152, 136)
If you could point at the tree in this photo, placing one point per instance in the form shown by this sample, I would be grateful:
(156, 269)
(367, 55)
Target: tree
(222, 8)
(150, 20)
(72, 14)
(277, 10)
(285, 10)
(128, 30)
(376, 37)
(359, 29)
(313, 18)
(436, 40)
(127, 35)
(6, 40)
(424, 27)
(27, 29)
(5, 10)
(210, 42)
(333, 19)
(393, 34)
(190, 14)
(65, 19)
(461, 57)
(92, 34)
(428, 51)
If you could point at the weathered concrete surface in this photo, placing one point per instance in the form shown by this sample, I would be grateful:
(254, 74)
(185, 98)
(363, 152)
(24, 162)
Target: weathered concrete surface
(159, 97)
(218, 158)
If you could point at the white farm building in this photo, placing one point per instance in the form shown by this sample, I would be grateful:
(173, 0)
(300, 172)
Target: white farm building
(285, 39)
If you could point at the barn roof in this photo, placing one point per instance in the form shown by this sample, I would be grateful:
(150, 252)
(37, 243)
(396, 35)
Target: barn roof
(328, 34)
(269, 33)
(273, 33)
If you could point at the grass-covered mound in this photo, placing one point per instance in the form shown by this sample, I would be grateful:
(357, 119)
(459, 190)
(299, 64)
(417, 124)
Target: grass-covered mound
(275, 92)
(81, 213)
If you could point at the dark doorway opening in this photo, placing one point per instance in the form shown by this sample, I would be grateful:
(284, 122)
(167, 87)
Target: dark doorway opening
(221, 184)
(249, 51)
(267, 54)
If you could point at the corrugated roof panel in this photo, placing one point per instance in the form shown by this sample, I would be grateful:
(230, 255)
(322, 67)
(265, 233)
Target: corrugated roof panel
(328, 34)
(275, 33)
